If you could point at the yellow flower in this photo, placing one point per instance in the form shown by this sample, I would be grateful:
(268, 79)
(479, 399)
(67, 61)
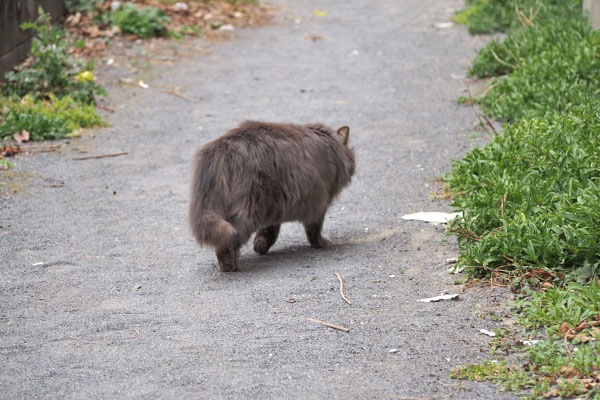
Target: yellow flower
(320, 13)
(85, 76)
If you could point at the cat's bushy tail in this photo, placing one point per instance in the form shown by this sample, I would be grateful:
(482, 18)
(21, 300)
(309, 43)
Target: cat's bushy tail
(209, 228)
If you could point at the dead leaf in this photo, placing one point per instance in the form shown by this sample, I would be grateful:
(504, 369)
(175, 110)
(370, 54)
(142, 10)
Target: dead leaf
(10, 151)
(22, 137)
(314, 38)
(568, 372)
(552, 393)
(581, 326)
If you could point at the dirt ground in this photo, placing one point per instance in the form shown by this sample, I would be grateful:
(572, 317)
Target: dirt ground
(105, 294)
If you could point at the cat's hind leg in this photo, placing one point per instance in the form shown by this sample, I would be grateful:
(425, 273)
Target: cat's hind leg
(313, 234)
(265, 238)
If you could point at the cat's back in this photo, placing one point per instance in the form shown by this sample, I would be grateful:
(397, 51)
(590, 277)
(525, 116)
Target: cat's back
(255, 141)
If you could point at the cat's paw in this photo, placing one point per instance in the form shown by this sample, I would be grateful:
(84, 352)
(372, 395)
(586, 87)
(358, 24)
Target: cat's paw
(262, 245)
(228, 260)
(321, 242)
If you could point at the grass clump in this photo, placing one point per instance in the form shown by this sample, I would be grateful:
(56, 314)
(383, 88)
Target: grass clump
(531, 199)
(488, 16)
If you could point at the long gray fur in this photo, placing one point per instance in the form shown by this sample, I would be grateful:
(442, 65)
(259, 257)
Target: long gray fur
(259, 175)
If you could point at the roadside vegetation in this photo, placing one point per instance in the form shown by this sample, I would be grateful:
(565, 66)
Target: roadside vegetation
(52, 95)
(531, 197)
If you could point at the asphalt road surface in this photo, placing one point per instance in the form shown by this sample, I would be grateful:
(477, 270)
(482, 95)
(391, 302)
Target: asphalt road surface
(104, 294)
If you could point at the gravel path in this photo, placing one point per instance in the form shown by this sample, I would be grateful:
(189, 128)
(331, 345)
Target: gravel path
(104, 293)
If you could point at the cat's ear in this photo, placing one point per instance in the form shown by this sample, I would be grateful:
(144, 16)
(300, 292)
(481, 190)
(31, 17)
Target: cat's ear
(344, 132)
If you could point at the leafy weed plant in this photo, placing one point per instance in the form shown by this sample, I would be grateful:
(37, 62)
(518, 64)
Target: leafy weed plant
(53, 70)
(502, 57)
(553, 68)
(531, 199)
(82, 5)
(488, 16)
(143, 22)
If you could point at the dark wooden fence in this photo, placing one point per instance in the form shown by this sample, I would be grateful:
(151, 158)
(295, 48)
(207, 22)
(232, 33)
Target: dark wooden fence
(14, 43)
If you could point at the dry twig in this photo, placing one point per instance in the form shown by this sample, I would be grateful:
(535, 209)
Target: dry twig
(101, 156)
(342, 289)
(183, 96)
(481, 115)
(501, 61)
(503, 203)
(339, 328)
(442, 396)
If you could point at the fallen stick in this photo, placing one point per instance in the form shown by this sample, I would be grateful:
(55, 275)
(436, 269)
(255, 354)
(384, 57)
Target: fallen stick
(339, 328)
(342, 288)
(183, 96)
(101, 156)
(106, 108)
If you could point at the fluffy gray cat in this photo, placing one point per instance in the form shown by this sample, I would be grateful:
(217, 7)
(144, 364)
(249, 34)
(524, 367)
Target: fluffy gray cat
(259, 175)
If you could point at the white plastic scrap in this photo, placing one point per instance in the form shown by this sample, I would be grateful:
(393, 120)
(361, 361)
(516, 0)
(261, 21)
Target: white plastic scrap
(439, 298)
(227, 27)
(433, 216)
(392, 351)
(486, 332)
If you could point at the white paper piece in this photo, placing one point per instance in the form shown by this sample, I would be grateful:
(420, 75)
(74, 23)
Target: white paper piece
(486, 332)
(439, 298)
(456, 270)
(432, 216)
(529, 342)
(443, 25)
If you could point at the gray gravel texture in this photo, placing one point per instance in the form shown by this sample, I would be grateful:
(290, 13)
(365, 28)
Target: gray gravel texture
(126, 305)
